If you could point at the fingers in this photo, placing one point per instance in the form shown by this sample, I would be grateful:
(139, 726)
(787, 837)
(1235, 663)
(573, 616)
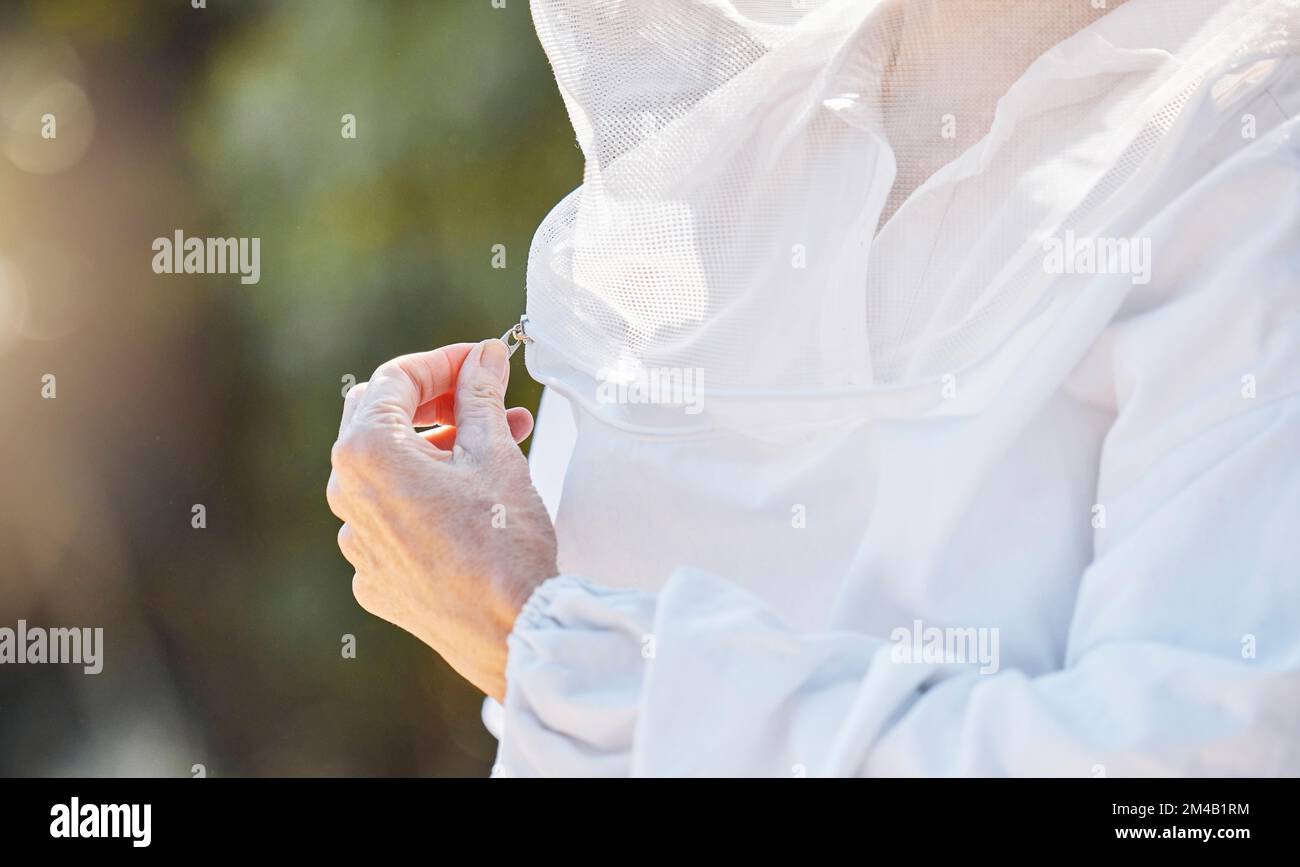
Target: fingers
(518, 418)
(443, 437)
(368, 595)
(334, 496)
(401, 386)
(521, 423)
(442, 409)
(414, 390)
(350, 402)
(480, 407)
(439, 409)
(354, 550)
(348, 545)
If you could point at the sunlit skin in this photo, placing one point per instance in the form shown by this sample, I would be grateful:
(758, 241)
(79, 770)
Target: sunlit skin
(446, 533)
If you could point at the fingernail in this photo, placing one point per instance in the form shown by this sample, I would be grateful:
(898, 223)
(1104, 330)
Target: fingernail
(494, 358)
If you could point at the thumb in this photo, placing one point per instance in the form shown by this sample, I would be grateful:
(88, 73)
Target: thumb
(480, 400)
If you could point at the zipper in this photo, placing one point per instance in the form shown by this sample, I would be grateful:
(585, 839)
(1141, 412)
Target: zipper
(517, 336)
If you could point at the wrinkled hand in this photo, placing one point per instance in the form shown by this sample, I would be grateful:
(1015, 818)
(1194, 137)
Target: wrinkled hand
(444, 528)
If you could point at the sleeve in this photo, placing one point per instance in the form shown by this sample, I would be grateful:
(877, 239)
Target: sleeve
(1183, 656)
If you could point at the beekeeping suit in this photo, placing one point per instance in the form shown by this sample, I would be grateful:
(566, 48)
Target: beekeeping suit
(991, 314)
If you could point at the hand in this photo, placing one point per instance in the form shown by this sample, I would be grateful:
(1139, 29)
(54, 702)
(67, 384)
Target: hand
(444, 528)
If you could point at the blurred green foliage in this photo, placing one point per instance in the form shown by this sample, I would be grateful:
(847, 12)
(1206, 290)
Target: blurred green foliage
(224, 643)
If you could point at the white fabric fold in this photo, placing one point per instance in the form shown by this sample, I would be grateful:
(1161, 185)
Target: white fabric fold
(567, 719)
(1090, 473)
(1177, 651)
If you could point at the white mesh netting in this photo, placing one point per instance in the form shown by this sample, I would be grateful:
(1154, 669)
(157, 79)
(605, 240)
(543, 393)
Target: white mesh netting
(809, 195)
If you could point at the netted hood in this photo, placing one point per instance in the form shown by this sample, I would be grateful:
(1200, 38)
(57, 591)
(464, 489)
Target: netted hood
(852, 196)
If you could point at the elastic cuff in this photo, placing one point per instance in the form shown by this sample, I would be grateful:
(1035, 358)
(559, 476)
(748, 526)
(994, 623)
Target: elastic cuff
(573, 679)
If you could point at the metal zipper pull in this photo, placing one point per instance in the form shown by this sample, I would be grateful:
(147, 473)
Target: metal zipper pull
(516, 336)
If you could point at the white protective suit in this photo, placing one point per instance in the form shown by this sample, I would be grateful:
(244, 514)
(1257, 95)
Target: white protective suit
(995, 468)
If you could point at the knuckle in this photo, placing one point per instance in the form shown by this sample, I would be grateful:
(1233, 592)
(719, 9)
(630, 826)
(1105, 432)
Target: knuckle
(334, 494)
(362, 590)
(367, 594)
(486, 389)
(351, 450)
(387, 369)
(341, 453)
(346, 541)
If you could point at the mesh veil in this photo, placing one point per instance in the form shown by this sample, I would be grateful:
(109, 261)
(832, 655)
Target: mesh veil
(865, 185)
